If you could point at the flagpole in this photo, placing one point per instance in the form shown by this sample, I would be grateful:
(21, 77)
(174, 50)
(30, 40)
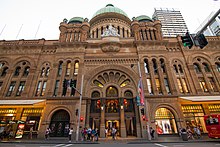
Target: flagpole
(144, 102)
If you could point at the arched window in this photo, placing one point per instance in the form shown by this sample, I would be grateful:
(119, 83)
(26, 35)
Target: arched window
(155, 66)
(95, 94)
(76, 68)
(206, 67)
(112, 92)
(165, 121)
(68, 67)
(26, 71)
(217, 66)
(162, 64)
(17, 71)
(180, 68)
(175, 68)
(60, 68)
(42, 72)
(197, 68)
(128, 93)
(47, 71)
(146, 66)
(4, 71)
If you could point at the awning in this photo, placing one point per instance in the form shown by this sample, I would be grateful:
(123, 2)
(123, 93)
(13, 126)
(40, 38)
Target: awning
(201, 98)
(20, 102)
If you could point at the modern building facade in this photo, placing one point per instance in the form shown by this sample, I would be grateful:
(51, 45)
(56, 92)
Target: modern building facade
(111, 60)
(210, 26)
(172, 22)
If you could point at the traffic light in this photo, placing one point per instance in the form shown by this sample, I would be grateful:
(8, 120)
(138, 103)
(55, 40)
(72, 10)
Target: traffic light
(202, 40)
(142, 111)
(71, 83)
(81, 119)
(64, 87)
(73, 86)
(187, 40)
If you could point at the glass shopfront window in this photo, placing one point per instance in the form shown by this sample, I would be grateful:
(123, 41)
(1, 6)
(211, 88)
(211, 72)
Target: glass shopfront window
(193, 115)
(165, 121)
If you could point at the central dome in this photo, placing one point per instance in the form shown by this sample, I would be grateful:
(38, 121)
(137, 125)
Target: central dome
(108, 9)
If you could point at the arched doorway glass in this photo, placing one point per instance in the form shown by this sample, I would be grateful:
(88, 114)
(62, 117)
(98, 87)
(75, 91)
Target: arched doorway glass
(59, 124)
(165, 121)
(112, 92)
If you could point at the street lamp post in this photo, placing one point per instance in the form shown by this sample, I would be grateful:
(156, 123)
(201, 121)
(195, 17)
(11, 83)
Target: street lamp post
(79, 110)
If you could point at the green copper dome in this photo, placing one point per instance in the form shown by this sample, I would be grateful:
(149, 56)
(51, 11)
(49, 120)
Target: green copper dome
(143, 18)
(108, 9)
(76, 20)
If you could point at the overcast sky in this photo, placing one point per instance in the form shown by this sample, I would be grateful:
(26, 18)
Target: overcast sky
(36, 19)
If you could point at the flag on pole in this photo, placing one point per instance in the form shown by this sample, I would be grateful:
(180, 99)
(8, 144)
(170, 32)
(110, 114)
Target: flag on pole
(141, 92)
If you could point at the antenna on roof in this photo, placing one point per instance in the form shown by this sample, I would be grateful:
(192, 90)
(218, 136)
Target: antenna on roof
(19, 31)
(37, 30)
(2, 30)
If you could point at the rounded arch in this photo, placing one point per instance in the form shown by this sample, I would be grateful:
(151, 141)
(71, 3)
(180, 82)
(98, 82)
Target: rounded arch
(165, 119)
(112, 91)
(128, 93)
(168, 106)
(59, 123)
(95, 94)
(56, 109)
(91, 75)
(29, 60)
(194, 57)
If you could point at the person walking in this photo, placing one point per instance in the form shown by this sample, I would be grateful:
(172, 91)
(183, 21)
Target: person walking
(152, 131)
(106, 133)
(31, 132)
(70, 134)
(113, 133)
(198, 132)
(47, 132)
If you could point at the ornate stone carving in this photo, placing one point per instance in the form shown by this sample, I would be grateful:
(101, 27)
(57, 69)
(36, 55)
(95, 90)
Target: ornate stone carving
(111, 31)
(110, 47)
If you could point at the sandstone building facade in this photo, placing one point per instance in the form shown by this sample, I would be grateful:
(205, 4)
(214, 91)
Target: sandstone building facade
(107, 57)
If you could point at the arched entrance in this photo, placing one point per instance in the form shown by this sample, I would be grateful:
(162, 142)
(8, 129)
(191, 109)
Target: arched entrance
(59, 124)
(165, 121)
(112, 104)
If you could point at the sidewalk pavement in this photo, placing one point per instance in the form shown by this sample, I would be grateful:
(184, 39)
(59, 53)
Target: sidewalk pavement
(129, 140)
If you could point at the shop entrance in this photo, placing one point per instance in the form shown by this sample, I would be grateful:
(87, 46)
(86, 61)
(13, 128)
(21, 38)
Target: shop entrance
(165, 121)
(112, 124)
(59, 124)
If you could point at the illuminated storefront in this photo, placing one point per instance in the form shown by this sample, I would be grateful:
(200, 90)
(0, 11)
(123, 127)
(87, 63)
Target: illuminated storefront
(165, 121)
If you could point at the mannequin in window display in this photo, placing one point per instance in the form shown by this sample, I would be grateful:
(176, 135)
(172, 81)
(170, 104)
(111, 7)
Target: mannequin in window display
(159, 127)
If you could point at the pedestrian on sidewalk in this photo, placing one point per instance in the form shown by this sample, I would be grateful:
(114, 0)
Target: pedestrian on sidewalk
(190, 133)
(47, 132)
(113, 133)
(31, 133)
(152, 131)
(197, 132)
(106, 132)
(70, 134)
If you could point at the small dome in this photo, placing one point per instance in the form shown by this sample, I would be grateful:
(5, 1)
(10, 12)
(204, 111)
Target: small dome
(76, 20)
(143, 18)
(108, 9)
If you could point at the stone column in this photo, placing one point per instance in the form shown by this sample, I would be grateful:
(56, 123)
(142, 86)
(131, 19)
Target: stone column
(102, 124)
(195, 80)
(171, 82)
(122, 122)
